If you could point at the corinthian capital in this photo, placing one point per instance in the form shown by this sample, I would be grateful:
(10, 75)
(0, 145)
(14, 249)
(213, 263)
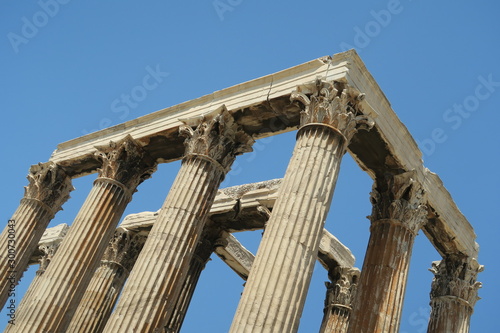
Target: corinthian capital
(335, 104)
(48, 250)
(48, 183)
(456, 277)
(399, 197)
(342, 289)
(216, 136)
(126, 162)
(51, 239)
(124, 248)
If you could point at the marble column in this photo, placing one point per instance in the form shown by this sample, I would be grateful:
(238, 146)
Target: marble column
(48, 190)
(156, 282)
(340, 295)
(276, 289)
(201, 256)
(397, 216)
(48, 248)
(107, 282)
(52, 304)
(453, 294)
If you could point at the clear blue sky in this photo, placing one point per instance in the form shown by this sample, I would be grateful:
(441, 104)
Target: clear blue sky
(64, 69)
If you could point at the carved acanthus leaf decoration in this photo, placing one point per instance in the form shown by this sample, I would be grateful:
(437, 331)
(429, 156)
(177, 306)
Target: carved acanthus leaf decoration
(339, 108)
(400, 198)
(50, 184)
(48, 249)
(216, 136)
(126, 162)
(124, 248)
(342, 289)
(456, 277)
(51, 240)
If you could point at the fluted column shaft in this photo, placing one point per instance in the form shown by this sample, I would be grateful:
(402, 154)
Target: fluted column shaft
(155, 283)
(48, 249)
(107, 282)
(57, 294)
(453, 294)
(277, 285)
(397, 216)
(383, 278)
(201, 256)
(52, 304)
(449, 314)
(276, 289)
(336, 319)
(339, 298)
(48, 189)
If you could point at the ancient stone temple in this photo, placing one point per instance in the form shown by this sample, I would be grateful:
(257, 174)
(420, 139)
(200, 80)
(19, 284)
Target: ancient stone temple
(109, 273)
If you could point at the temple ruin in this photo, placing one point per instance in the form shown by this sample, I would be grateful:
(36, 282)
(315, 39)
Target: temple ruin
(100, 275)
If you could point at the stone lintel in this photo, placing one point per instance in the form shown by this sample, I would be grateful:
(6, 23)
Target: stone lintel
(54, 234)
(333, 253)
(235, 255)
